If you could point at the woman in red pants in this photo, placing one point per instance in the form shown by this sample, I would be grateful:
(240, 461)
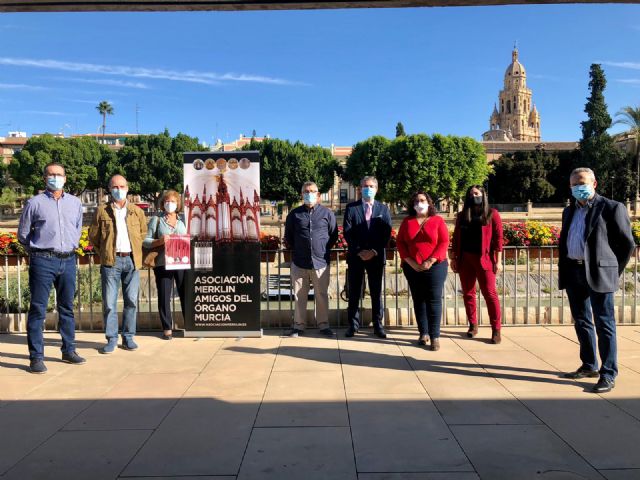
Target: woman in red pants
(476, 254)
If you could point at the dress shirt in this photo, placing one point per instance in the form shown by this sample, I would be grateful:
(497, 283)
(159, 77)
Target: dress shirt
(311, 233)
(123, 244)
(576, 236)
(367, 205)
(50, 224)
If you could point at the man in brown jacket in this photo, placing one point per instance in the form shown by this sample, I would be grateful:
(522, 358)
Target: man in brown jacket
(116, 232)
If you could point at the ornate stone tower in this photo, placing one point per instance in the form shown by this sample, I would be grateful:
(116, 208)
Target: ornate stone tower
(517, 119)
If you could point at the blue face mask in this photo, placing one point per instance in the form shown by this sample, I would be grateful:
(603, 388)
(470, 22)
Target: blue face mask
(55, 182)
(118, 195)
(310, 198)
(368, 193)
(582, 192)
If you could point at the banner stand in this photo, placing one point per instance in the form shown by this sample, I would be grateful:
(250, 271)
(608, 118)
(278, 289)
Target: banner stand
(225, 334)
(222, 210)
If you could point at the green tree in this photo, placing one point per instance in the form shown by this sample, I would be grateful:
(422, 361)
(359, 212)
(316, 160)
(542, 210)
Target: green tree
(596, 145)
(285, 166)
(400, 130)
(442, 165)
(82, 158)
(630, 116)
(153, 163)
(104, 108)
(522, 176)
(366, 158)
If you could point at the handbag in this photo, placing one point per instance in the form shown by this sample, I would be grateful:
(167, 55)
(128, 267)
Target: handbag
(149, 254)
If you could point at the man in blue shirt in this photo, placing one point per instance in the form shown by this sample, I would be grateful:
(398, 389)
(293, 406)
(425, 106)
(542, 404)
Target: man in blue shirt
(50, 229)
(311, 232)
(596, 244)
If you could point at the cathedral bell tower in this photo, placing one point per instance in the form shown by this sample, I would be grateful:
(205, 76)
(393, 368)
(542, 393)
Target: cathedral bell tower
(514, 118)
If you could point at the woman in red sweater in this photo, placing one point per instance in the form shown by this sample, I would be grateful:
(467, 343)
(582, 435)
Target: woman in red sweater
(476, 253)
(423, 240)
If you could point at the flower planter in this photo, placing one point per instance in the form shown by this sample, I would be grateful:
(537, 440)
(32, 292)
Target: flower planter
(536, 253)
(12, 260)
(86, 259)
(267, 256)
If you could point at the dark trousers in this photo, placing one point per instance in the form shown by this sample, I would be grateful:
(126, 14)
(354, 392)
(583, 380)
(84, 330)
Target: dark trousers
(589, 307)
(470, 270)
(164, 283)
(374, 271)
(45, 271)
(426, 289)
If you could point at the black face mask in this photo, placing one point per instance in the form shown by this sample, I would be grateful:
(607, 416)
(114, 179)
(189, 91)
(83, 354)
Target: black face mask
(477, 200)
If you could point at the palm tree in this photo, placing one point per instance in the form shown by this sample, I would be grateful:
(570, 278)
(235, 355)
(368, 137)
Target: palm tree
(104, 108)
(630, 117)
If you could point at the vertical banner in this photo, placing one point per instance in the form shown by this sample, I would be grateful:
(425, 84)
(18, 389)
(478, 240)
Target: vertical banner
(222, 213)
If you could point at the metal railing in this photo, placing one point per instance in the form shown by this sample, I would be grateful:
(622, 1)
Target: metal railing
(527, 288)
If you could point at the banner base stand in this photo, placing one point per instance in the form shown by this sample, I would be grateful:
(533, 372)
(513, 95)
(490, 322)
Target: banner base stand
(225, 334)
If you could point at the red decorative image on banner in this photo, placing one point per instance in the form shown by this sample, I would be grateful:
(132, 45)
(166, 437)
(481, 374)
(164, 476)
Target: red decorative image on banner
(177, 252)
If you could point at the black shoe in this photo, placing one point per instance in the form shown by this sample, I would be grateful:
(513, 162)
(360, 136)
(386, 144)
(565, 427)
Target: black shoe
(327, 332)
(73, 357)
(294, 333)
(604, 385)
(37, 366)
(473, 330)
(380, 334)
(582, 373)
(350, 332)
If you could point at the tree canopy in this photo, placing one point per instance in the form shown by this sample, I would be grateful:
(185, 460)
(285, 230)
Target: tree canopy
(153, 163)
(442, 165)
(597, 147)
(285, 166)
(81, 157)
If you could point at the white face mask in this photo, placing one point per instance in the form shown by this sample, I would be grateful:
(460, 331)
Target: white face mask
(170, 207)
(421, 208)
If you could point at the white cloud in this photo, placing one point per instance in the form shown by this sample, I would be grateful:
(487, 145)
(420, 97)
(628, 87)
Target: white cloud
(191, 76)
(109, 82)
(632, 81)
(20, 86)
(629, 65)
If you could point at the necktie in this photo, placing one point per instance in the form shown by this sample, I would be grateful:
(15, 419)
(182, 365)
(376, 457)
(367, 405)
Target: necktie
(367, 212)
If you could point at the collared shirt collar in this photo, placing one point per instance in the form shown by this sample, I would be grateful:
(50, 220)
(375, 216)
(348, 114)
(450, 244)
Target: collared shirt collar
(589, 203)
(116, 207)
(49, 193)
(370, 203)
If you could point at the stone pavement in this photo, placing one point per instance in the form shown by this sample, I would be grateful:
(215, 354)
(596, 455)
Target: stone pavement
(317, 408)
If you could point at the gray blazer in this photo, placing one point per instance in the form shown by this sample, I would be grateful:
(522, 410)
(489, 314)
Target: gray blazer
(608, 248)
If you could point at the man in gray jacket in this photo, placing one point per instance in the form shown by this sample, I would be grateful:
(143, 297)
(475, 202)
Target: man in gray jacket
(596, 244)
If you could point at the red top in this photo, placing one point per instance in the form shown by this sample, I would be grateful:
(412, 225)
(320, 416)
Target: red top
(431, 240)
(491, 241)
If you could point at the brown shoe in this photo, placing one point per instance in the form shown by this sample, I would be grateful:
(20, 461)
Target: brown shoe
(423, 340)
(473, 330)
(496, 338)
(435, 344)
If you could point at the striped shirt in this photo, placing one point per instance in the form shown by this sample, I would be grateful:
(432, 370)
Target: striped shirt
(576, 237)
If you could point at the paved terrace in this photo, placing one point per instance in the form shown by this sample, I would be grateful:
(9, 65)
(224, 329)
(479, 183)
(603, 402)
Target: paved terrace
(315, 408)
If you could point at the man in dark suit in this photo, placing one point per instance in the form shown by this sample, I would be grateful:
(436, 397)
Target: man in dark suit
(367, 229)
(596, 244)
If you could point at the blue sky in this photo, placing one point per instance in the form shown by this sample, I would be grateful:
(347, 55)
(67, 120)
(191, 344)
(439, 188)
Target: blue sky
(322, 77)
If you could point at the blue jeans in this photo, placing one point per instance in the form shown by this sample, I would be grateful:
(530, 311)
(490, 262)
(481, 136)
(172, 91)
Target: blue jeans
(45, 271)
(123, 271)
(589, 307)
(426, 289)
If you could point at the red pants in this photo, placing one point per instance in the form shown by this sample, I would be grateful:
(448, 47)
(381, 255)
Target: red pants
(470, 270)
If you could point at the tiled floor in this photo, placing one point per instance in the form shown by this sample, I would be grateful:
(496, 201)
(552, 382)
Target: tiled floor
(312, 407)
